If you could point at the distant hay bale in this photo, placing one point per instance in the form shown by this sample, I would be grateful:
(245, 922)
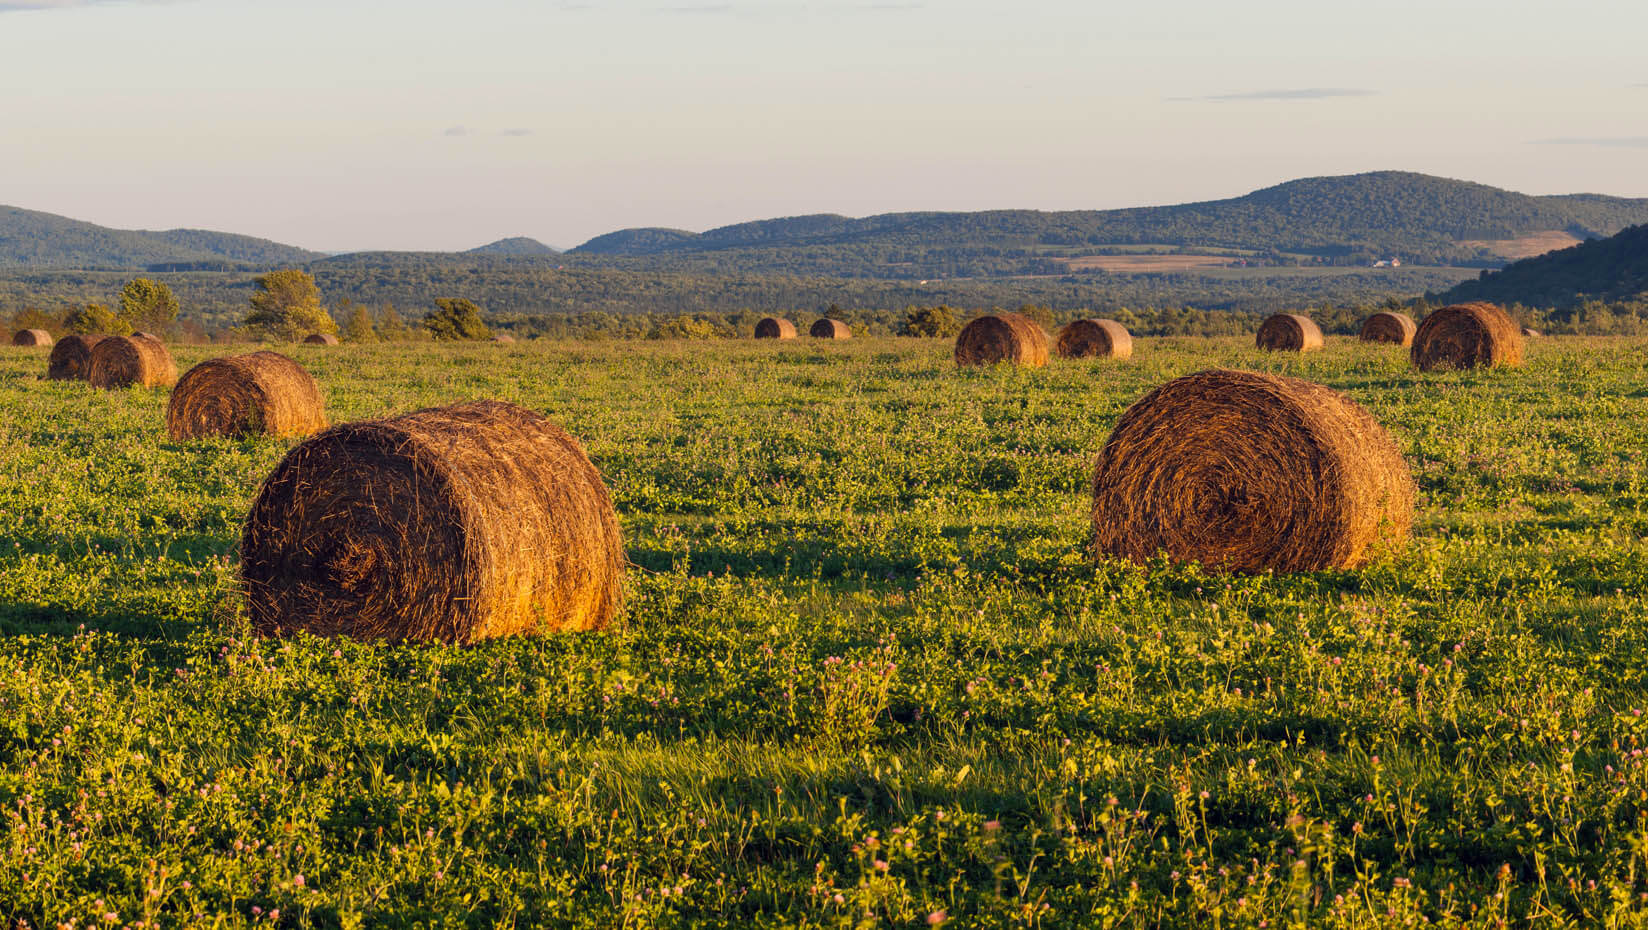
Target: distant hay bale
(1095, 339)
(1471, 335)
(320, 339)
(1289, 332)
(1388, 327)
(122, 361)
(1531, 333)
(71, 357)
(31, 337)
(774, 328)
(830, 329)
(504, 339)
(1245, 472)
(261, 394)
(1002, 337)
(453, 524)
(140, 334)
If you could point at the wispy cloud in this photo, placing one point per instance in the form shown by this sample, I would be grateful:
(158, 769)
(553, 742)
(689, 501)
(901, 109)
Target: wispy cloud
(1612, 142)
(455, 131)
(1287, 93)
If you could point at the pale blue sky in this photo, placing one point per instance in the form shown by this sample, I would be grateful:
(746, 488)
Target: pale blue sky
(351, 125)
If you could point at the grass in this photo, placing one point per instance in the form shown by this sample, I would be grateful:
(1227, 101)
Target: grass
(866, 676)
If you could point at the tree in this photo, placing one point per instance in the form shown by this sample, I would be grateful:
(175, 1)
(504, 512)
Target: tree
(929, 321)
(92, 318)
(391, 328)
(286, 306)
(34, 318)
(456, 319)
(147, 305)
(359, 328)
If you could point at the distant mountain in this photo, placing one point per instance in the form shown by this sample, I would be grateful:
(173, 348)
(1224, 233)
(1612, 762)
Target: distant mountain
(1611, 269)
(515, 245)
(43, 240)
(1346, 220)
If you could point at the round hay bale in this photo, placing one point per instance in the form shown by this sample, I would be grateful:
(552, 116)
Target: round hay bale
(140, 334)
(774, 328)
(1245, 472)
(504, 339)
(830, 329)
(1289, 332)
(1094, 339)
(1002, 337)
(1472, 335)
(320, 339)
(71, 357)
(1531, 333)
(122, 361)
(453, 524)
(1385, 326)
(31, 337)
(261, 394)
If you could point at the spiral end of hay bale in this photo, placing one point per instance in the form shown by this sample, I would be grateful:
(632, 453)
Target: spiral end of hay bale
(31, 337)
(453, 524)
(123, 361)
(70, 357)
(1002, 337)
(774, 328)
(1472, 335)
(830, 329)
(1245, 472)
(261, 394)
(1289, 332)
(1387, 327)
(1094, 339)
(320, 339)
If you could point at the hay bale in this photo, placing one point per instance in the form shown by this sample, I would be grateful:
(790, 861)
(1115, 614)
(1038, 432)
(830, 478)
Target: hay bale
(452, 524)
(1002, 337)
(1471, 335)
(1245, 472)
(122, 361)
(31, 337)
(1531, 333)
(1289, 332)
(261, 394)
(1385, 326)
(140, 334)
(1094, 339)
(504, 339)
(830, 329)
(320, 339)
(71, 357)
(774, 328)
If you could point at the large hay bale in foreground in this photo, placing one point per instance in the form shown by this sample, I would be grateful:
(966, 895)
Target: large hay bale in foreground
(261, 394)
(71, 357)
(1002, 337)
(453, 524)
(1289, 332)
(1245, 472)
(774, 328)
(1471, 335)
(320, 339)
(1095, 339)
(1387, 327)
(122, 361)
(31, 337)
(830, 329)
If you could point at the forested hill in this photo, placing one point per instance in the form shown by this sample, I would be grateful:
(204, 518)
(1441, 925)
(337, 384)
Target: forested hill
(1416, 217)
(1612, 269)
(44, 240)
(514, 245)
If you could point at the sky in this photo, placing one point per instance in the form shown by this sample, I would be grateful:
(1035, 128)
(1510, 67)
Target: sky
(346, 125)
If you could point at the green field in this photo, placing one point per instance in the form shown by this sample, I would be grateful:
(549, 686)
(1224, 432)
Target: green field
(866, 676)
